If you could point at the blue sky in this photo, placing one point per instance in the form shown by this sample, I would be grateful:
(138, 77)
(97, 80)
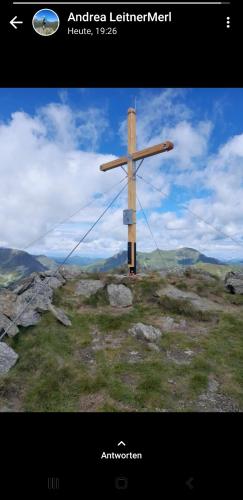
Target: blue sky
(52, 142)
(47, 13)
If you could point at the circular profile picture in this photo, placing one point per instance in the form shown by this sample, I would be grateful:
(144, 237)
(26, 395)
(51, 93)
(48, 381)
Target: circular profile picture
(45, 22)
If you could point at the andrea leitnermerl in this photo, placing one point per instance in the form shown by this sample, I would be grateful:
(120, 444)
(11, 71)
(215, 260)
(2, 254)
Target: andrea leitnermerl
(119, 18)
(121, 456)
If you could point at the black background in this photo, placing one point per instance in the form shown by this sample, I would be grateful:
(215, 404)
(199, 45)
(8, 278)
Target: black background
(196, 50)
(176, 448)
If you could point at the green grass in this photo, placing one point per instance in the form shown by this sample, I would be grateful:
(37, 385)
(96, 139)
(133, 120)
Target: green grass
(223, 350)
(183, 308)
(234, 299)
(52, 373)
(145, 290)
(99, 298)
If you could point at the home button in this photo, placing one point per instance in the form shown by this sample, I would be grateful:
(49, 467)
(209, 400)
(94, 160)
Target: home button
(121, 483)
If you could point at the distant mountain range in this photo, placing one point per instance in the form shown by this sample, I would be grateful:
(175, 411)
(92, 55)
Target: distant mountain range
(15, 264)
(158, 259)
(78, 260)
(18, 260)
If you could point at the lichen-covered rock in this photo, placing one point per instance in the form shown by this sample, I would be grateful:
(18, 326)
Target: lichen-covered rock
(29, 317)
(29, 298)
(39, 296)
(88, 287)
(25, 283)
(7, 325)
(234, 282)
(60, 315)
(119, 295)
(70, 272)
(167, 323)
(52, 273)
(8, 358)
(53, 282)
(198, 302)
(180, 356)
(145, 332)
(8, 303)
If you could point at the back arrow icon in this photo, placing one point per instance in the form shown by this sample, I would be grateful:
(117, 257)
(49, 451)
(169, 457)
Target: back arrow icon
(13, 22)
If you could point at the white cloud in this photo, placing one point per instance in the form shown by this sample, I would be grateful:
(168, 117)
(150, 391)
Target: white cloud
(49, 166)
(44, 175)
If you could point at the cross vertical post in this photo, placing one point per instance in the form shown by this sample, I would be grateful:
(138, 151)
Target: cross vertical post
(129, 216)
(131, 172)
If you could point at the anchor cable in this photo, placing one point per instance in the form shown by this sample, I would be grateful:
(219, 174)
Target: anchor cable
(147, 222)
(194, 214)
(13, 322)
(70, 216)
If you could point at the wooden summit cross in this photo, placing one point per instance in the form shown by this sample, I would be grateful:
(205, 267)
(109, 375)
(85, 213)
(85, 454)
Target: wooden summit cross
(129, 216)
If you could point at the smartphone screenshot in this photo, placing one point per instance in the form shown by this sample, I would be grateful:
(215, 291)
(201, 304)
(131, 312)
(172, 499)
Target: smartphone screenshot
(121, 249)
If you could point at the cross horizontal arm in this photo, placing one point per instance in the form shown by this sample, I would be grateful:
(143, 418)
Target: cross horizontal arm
(138, 155)
(154, 150)
(115, 163)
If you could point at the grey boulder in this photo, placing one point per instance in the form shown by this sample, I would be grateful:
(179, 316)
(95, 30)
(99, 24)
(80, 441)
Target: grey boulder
(167, 323)
(70, 272)
(234, 282)
(32, 297)
(29, 317)
(38, 297)
(60, 315)
(119, 295)
(53, 282)
(88, 287)
(53, 273)
(198, 302)
(25, 283)
(145, 332)
(7, 325)
(8, 358)
(8, 303)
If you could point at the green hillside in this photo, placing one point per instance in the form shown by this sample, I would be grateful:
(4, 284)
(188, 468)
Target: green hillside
(15, 264)
(158, 259)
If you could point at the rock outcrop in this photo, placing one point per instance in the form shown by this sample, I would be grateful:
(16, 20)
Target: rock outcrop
(234, 282)
(8, 303)
(60, 315)
(198, 302)
(7, 324)
(119, 295)
(22, 304)
(70, 272)
(88, 287)
(8, 358)
(145, 332)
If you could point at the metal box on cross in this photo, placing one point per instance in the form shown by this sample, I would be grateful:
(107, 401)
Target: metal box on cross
(128, 216)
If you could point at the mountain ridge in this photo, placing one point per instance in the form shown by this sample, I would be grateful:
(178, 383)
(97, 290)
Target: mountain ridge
(16, 264)
(157, 259)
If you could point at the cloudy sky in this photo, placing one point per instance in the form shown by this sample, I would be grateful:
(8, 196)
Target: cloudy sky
(52, 142)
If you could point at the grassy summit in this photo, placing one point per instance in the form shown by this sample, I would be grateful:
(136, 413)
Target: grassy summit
(97, 365)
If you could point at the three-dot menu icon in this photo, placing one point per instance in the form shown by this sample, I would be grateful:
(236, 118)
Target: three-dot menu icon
(228, 22)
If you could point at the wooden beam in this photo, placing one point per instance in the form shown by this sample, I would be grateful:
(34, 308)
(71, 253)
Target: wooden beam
(113, 164)
(154, 150)
(138, 155)
(131, 167)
